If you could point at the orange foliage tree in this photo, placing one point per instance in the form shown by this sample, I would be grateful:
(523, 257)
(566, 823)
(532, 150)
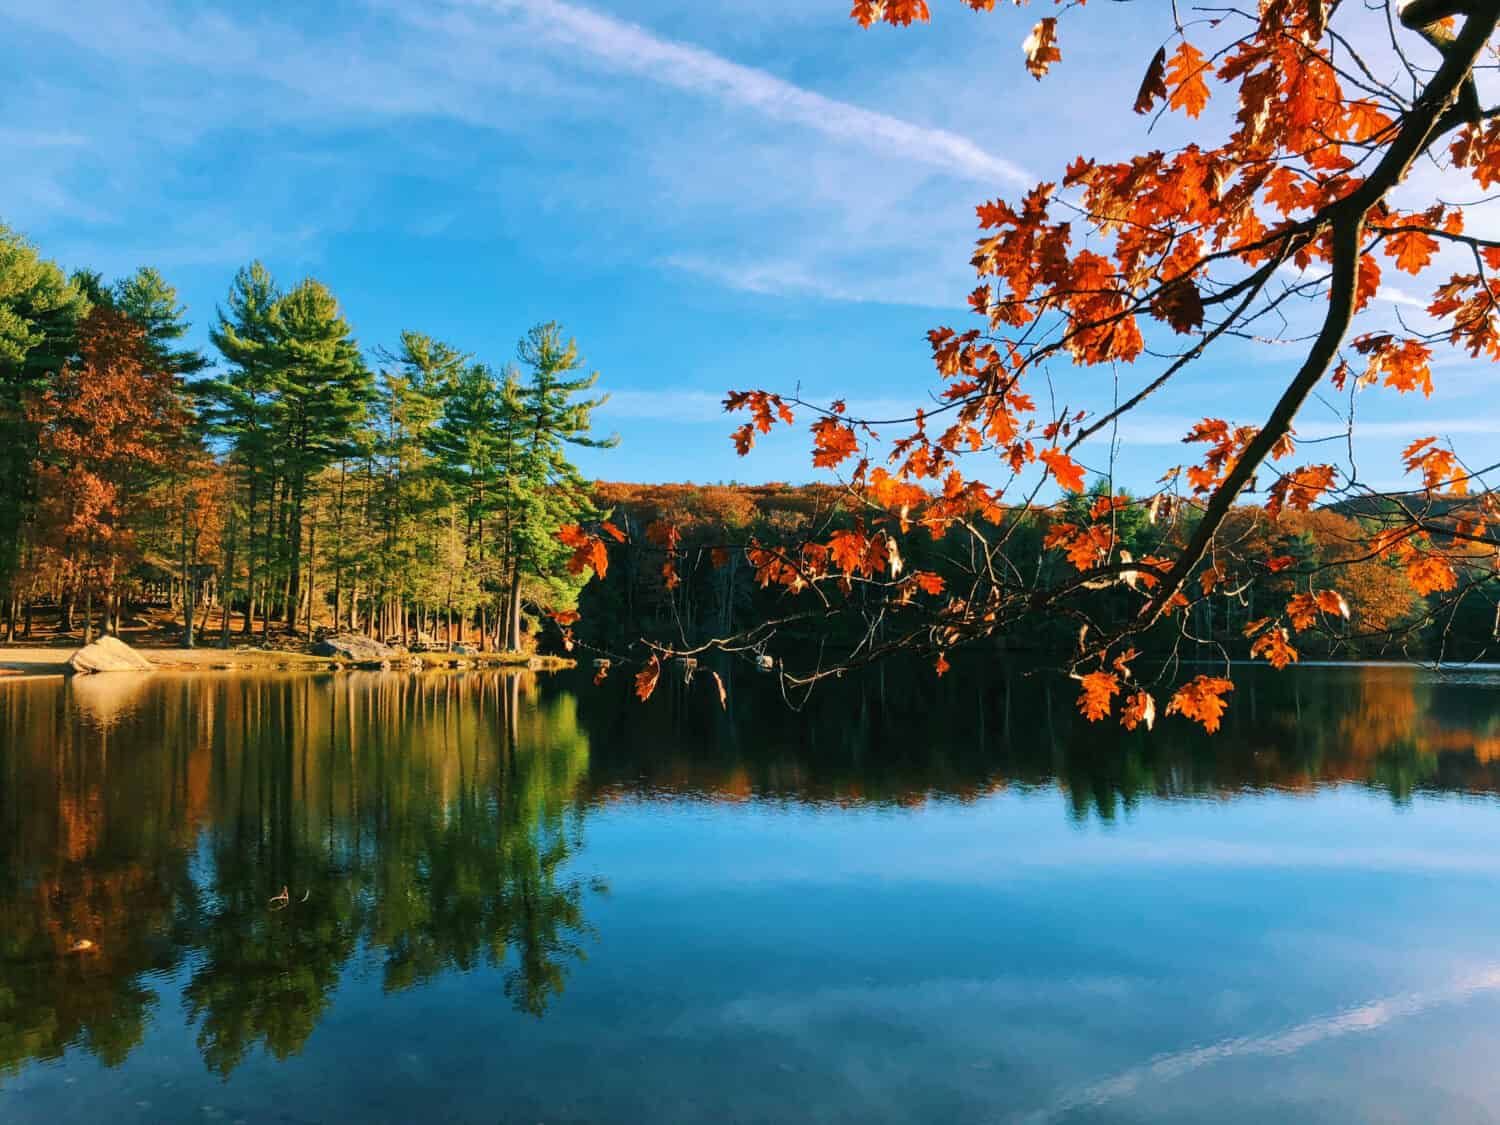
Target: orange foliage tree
(1296, 194)
(107, 425)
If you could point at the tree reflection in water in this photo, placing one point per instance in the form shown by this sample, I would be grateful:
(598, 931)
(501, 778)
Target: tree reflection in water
(426, 821)
(431, 824)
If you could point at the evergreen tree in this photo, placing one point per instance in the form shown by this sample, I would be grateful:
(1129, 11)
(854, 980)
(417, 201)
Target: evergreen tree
(409, 401)
(469, 447)
(94, 288)
(240, 407)
(146, 298)
(543, 488)
(40, 311)
(324, 389)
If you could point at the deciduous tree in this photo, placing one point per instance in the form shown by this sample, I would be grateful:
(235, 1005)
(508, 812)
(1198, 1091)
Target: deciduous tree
(1278, 219)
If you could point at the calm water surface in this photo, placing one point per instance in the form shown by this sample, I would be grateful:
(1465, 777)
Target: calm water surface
(511, 899)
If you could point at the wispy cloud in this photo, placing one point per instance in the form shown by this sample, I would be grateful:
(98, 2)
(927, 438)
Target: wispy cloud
(1362, 1020)
(633, 49)
(1400, 297)
(789, 278)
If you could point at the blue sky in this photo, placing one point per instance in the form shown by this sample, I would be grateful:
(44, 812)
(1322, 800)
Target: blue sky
(709, 195)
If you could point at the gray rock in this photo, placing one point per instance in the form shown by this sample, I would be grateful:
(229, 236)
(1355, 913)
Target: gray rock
(107, 654)
(353, 647)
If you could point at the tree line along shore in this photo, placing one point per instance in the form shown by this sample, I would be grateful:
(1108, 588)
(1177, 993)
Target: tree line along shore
(294, 484)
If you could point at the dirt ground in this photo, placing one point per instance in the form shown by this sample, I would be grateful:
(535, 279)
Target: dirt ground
(52, 661)
(157, 637)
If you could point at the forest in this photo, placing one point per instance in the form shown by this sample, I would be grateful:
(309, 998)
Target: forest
(684, 576)
(290, 483)
(296, 483)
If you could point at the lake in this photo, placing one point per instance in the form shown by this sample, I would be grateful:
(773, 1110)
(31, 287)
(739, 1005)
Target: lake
(488, 897)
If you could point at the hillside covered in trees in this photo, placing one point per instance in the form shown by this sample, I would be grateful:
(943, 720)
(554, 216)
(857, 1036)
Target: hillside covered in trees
(681, 576)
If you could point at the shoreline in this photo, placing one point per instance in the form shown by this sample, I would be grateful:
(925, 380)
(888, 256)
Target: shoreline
(39, 662)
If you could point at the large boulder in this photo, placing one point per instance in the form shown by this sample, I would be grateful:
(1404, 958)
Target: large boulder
(355, 648)
(108, 654)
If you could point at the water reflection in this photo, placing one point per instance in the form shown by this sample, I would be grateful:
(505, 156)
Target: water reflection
(911, 739)
(431, 825)
(424, 822)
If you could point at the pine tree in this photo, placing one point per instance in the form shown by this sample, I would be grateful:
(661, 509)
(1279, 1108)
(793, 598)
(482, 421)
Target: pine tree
(240, 407)
(409, 401)
(543, 488)
(469, 447)
(146, 298)
(324, 391)
(40, 311)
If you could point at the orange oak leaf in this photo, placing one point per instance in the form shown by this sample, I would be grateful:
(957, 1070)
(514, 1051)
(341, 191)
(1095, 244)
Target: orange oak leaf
(1096, 694)
(1302, 611)
(1139, 708)
(1275, 647)
(1412, 249)
(1202, 700)
(833, 443)
(1333, 603)
(1185, 79)
(1041, 47)
(588, 550)
(1429, 574)
(928, 582)
(647, 677)
(1299, 489)
(848, 550)
(1068, 472)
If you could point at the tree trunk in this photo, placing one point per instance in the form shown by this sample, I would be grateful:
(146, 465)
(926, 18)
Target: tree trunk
(275, 523)
(88, 614)
(188, 609)
(513, 612)
(227, 583)
(338, 547)
(312, 574)
(249, 625)
(294, 572)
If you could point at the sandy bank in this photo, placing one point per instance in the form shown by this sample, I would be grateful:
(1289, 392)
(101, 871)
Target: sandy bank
(37, 661)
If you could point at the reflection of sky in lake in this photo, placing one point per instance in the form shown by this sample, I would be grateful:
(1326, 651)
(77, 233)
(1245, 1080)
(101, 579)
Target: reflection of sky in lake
(1317, 953)
(995, 960)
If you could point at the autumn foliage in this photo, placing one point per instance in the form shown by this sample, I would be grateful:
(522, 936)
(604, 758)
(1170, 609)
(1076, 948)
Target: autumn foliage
(108, 425)
(1279, 222)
